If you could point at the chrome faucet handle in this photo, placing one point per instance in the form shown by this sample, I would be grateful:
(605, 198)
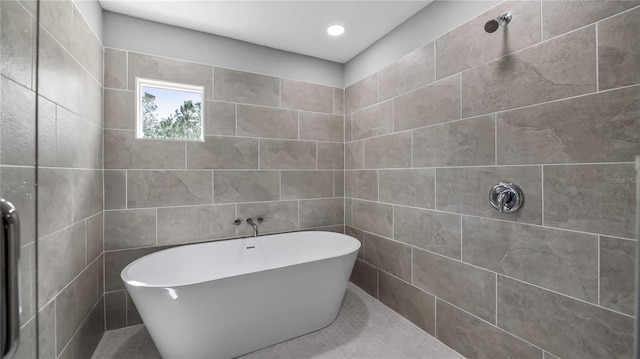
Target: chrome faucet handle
(237, 222)
(260, 219)
(506, 197)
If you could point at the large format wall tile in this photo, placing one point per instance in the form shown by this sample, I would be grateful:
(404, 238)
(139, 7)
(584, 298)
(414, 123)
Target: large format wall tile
(56, 66)
(79, 141)
(361, 184)
(413, 70)
(18, 127)
(338, 183)
(472, 289)
(18, 185)
(90, 332)
(168, 188)
(306, 96)
(122, 150)
(559, 68)
(245, 87)
(361, 94)
(223, 153)
(57, 18)
(115, 189)
(55, 210)
(306, 184)
(365, 276)
(390, 151)
(321, 127)
(120, 109)
(330, 155)
(465, 191)
(373, 217)
(115, 261)
(593, 128)
(87, 193)
(164, 69)
(129, 229)
(281, 154)
(619, 50)
(246, 186)
(47, 136)
(566, 262)
(388, 255)
(354, 155)
(254, 121)
(279, 216)
(462, 143)
(559, 17)
(562, 325)
(372, 121)
(220, 118)
(429, 105)
(115, 69)
(17, 40)
(61, 256)
(321, 212)
(192, 224)
(434, 231)
(617, 274)
(95, 236)
(86, 47)
(74, 303)
(591, 198)
(410, 302)
(474, 338)
(468, 46)
(408, 187)
(338, 101)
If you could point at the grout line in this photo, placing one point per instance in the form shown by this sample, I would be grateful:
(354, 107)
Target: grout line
(501, 274)
(542, 196)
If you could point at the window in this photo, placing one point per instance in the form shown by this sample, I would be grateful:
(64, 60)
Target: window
(169, 111)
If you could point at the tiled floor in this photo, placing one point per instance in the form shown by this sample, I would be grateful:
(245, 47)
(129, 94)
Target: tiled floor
(365, 328)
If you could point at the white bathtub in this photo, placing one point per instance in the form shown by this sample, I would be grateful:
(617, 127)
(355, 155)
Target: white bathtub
(225, 299)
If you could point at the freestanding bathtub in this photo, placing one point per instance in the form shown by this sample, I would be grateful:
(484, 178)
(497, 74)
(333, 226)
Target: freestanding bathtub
(228, 298)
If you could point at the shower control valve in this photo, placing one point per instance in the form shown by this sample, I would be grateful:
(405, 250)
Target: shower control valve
(506, 197)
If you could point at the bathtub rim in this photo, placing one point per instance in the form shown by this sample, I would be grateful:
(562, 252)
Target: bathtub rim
(128, 281)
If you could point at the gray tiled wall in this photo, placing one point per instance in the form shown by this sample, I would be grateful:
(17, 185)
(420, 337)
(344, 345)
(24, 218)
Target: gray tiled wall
(273, 148)
(550, 103)
(70, 189)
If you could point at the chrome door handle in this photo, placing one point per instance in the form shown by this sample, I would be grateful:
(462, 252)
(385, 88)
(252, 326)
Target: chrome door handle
(9, 254)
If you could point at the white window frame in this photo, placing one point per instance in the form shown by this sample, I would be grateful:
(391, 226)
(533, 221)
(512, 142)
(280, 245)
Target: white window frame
(167, 85)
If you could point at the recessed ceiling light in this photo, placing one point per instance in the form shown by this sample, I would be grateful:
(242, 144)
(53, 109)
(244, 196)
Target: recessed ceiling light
(335, 30)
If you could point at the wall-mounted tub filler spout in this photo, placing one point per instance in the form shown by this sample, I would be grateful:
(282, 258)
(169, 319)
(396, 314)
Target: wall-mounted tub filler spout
(255, 225)
(493, 25)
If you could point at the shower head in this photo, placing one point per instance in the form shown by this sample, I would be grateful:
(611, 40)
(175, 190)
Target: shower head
(493, 25)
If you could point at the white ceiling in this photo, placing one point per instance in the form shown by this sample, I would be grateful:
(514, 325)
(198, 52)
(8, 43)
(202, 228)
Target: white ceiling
(296, 26)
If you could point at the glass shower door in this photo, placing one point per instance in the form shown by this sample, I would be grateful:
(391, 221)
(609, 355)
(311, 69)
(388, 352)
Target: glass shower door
(18, 105)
